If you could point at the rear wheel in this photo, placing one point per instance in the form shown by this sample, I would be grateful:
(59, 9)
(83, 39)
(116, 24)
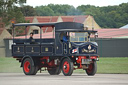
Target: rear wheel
(28, 68)
(92, 69)
(67, 67)
(54, 71)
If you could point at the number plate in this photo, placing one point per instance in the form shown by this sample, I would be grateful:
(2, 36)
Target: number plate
(86, 61)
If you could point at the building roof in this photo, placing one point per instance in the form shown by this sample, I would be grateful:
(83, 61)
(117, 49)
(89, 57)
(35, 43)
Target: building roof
(67, 18)
(78, 19)
(1, 26)
(124, 27)
(112, 33)
(1, 30)
(30, 19)
(46, 19)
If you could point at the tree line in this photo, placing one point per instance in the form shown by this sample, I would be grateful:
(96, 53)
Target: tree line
(107, 16)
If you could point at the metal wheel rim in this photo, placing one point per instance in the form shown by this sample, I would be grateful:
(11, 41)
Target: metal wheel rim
(66, 67)
(27, 66)
(90, 68)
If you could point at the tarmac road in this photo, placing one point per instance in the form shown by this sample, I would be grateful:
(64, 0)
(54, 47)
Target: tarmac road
(75, 79)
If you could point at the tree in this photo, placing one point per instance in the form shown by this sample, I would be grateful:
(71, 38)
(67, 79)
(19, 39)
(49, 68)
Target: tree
(28, 11)
(44, 11)
(57, 10)
(108, 16)
(9, 10)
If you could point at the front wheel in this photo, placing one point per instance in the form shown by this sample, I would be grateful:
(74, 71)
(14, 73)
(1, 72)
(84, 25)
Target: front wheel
(28, 68)
(67, 67)
(92, 69)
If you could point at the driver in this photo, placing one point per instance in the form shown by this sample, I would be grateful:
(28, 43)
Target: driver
(65, 38)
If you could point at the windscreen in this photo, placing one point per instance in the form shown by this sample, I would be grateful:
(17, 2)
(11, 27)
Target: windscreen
(78, 36)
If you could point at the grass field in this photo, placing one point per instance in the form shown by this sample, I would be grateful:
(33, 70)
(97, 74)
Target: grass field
(9, 65)
(115, 65)
(104, 65)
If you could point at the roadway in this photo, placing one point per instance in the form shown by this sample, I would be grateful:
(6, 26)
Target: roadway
(75, 79)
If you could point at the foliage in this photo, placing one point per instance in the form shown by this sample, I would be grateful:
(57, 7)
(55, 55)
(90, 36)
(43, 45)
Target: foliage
(44, 11)
(106, 17)
(9, 11)
(109, 16)
(28, 10)
(56, 10)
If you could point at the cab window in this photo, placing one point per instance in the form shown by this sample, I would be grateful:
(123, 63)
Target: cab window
(78, 36)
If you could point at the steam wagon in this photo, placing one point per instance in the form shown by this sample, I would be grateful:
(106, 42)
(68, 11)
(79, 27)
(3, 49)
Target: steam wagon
(69, 49)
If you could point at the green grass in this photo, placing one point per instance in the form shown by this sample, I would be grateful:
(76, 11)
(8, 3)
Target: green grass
(9, 65)
(104, 65)
(113, 65)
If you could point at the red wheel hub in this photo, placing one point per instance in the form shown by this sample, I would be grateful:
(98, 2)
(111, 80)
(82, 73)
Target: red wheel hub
(90, 68)
(66, 67)
(27, 66)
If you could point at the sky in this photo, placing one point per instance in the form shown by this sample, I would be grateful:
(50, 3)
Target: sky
(76, 3)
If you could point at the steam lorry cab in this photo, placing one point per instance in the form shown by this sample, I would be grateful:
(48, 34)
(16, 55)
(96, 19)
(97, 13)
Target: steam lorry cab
(68, 49)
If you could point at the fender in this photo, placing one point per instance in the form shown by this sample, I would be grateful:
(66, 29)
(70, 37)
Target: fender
(25, 58)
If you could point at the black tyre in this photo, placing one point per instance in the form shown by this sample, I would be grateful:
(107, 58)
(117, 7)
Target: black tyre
(28, 68)
(54, 71)
(67, 67)
(92, 69)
